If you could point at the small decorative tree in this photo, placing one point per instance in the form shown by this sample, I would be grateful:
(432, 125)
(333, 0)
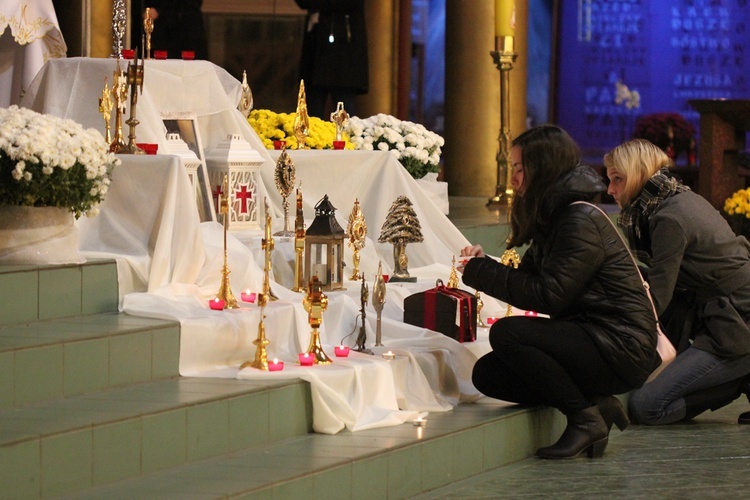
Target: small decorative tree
(401, 226)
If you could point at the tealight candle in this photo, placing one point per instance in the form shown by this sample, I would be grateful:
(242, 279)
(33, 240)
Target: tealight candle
(278, 144)
(531, 313)
(390, 356)
(339, 145)
(306, 359)
(275, 365)
(420, 422)
(188, 55)
(217, 304)
(248, 296)
(491, 320)
(341, 351)
(160, 54)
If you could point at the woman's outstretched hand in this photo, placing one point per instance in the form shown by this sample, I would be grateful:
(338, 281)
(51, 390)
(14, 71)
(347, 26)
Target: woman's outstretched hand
(468, 253)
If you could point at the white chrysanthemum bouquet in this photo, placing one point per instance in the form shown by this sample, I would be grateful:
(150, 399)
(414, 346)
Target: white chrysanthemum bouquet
(417, 148)
(46, 161)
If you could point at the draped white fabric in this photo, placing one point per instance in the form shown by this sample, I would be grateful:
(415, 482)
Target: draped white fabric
(169, 264)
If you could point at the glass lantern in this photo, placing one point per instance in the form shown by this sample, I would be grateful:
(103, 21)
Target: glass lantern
(324, 247)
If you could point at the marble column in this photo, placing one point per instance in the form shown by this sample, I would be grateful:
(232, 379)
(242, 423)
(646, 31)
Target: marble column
(472, 95)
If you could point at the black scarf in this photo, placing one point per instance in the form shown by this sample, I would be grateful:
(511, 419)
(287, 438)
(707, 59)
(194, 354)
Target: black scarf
(634, 218)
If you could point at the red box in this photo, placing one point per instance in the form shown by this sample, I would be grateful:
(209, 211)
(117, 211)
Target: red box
(450, 311)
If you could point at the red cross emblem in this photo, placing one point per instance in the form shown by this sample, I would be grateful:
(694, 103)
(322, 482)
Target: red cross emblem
(244, 196)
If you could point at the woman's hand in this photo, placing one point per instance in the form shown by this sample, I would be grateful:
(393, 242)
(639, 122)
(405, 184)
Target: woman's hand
(468, 253)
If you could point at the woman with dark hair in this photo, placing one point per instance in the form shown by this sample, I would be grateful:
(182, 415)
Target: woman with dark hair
(600, 337)
(699, 273)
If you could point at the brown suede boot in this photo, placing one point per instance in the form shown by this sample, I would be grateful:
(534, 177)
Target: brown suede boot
(586, 431)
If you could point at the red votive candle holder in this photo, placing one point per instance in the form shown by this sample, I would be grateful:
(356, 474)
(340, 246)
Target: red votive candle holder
(491, 320)
(341, 351)
(248, 296)
(128, 53)
(339, 144)
(150, 149)
(532, 314)
(160, 54)
(275, 365)
(279, 145)
(188, 55)
(306, 359)
(386, 277)
(217, 304)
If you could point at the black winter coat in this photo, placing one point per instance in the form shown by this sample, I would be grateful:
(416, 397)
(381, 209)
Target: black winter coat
(580, 271)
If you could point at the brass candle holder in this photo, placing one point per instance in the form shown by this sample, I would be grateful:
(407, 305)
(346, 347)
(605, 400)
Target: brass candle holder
(105, 109)
(120, 94)
(225, 290)
(267, 245)
(261, 354)
(135, 80)
(299, 244)
(357, 231)
(503, 56)
(315, 303)
(301, 124)
(378, 301)
(453, 281)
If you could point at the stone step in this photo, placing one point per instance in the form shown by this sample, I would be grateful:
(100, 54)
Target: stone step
(387, 462)
(32, 293)
(48, 360)
(81, 442)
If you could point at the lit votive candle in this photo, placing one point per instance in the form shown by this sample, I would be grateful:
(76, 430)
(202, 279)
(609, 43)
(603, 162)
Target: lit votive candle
(306, 359)
(420, 422)
(390, 356)
(533, 314)
(217, 304)
(275, 365)
(341, 351)
(248, 296)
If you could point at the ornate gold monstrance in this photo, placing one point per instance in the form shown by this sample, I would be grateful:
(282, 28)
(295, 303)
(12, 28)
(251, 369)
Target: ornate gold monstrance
(357, 231)
(225, 290)
(301, 125)
(315, 302)
(120, 94)
(284, 178)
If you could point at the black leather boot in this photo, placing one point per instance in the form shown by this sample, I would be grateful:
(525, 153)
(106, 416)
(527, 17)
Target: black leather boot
(586, 431)
(744, 418)
(711, 398)
(612, 412)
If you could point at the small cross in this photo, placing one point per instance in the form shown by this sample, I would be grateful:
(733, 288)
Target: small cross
(244, 195)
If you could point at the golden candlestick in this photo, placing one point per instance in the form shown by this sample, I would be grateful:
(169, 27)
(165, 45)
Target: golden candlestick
(301, 125)
(225, 291)
(315, 302)
(267, 245)
(504, 56)
(299, 244)
(378, 301)
(120, 94)
(453, 278)
(135, 80)
(261, 355)
(148, 28)
(357, 231)
(105, 109)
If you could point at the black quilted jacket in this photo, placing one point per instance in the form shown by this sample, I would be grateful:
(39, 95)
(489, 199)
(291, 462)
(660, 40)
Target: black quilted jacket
(580, 271)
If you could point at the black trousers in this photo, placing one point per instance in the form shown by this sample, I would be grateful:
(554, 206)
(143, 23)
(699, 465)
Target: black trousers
(543, 361)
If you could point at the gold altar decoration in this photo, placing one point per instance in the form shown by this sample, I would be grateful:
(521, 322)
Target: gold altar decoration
(378, 302)
(261, 354)
(504, 56)
(225, 290)
(510, 258)
(340, 118)
(301, 124)
(105, 109)
(401, 226)
(120, 94)
(246, 99)
(364, 295)
(453, 281)
(315, 302)
(119, 24)
(357, 231)
(284, 176)
(480, 305)
(135, 80)
(324, 247)
(148, 28)
(267, 245)
(299, 243)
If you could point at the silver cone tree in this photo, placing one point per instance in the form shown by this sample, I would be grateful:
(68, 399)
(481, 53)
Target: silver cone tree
(401, 226)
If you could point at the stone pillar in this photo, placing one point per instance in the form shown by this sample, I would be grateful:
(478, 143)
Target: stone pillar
(472, 95)
(382, 27)
(101, 28)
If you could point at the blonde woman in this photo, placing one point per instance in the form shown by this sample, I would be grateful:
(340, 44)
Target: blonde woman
(699, 273)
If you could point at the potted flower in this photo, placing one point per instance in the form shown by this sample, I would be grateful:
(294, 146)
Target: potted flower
(417, 148)
(51, 170)
(657, 128)
(737, 212)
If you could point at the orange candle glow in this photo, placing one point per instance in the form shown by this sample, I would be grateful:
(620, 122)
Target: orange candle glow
(505, 13)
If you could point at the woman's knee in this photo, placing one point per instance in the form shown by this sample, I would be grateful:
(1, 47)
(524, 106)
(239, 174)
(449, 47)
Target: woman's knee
(504, 333)
(644, 408)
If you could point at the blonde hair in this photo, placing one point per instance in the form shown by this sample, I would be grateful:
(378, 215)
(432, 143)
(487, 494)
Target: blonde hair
(637, 161)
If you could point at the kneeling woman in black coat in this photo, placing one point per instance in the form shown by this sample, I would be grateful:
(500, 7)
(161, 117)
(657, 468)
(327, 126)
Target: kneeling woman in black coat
(600, 337)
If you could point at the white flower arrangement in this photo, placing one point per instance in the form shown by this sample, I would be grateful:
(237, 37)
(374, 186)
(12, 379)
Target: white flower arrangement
(417, 148)
(46, 161)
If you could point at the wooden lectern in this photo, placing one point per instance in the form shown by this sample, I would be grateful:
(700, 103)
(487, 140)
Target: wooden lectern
(723, 127)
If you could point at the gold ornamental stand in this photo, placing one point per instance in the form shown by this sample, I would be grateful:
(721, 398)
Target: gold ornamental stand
(225, 291)
(315, 302)
(503, 56)
(261, 354)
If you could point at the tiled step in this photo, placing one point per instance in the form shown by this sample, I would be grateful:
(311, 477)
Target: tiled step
(46, 360)
(388, 462)
(81, 442)
(31, 293)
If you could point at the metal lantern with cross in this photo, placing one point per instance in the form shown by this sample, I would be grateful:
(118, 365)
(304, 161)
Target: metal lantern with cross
(324, 247)
(235, 158)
